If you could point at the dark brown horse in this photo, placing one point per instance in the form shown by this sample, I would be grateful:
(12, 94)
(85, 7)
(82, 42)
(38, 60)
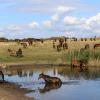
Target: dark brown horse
(96, 45)
(19, 53)
(50, 80)
(2, 75)
(65, 46)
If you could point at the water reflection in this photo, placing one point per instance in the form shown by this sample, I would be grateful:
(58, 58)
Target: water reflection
(91, 73)
(74, 82)
(49, 87)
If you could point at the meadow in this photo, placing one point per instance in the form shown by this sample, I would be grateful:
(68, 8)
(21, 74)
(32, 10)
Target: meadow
(44, 53)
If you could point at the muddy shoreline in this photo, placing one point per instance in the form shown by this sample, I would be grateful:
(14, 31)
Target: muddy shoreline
(11, 91)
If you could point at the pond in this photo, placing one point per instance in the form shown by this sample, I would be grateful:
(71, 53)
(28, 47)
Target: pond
(76, 85)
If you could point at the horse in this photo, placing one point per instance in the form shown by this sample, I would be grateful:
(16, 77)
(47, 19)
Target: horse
(82, 64)
(82, 50)
(19, 52)
(50, 80)
(58, 47)
(54, 46)
(65, 46)
(87, 46)
(24, 44)
(2, 75)
(96, 45)
(12, 52)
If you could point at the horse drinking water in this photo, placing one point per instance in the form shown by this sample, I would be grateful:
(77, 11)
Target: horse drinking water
(50, 80)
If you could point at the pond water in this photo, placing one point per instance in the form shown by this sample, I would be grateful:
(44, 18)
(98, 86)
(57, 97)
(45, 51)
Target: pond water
(76, 85)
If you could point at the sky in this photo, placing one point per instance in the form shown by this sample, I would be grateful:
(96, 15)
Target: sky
(49, 18)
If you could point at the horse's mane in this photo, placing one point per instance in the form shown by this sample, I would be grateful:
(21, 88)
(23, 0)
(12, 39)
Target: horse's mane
(47, 76)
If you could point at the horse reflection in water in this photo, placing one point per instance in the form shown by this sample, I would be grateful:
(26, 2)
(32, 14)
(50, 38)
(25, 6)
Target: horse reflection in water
(50, 83)
(48, 87)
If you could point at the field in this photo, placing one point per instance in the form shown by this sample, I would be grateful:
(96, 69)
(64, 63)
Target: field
(43, 53)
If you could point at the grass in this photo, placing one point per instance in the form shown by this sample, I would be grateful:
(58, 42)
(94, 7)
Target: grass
(44, 53)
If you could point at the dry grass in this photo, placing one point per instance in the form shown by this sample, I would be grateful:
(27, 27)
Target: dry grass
(44, 53)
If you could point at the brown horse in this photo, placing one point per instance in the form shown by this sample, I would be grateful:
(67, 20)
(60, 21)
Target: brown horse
(24, 44)
(12, 52)
(82, 64)
(87, 46)
(50, 80)
(2, 75)
(65, 46)
(58, 47)
(96, 45)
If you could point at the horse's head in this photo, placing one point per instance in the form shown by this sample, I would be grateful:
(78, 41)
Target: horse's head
(41, 76)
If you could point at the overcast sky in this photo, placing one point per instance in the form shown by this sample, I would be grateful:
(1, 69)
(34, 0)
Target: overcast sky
(47, 18)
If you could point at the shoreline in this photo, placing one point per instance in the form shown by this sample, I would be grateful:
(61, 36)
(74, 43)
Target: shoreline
(18, 64)
(10, 91)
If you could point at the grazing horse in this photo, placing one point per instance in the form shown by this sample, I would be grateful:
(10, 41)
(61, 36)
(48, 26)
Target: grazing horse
(19, 53)
(87, 46)
(65, 46)
(82, 50)
(50, 80)
(12, 52)
(15, 53)
(24, 44)
(96, 45)
(2, 75)
(58, 47)
(54, 46)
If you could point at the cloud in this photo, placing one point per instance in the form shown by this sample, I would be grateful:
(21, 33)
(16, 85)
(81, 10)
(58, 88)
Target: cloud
(74, 26)
(58, 19)
(47, 24)
(55, 17)
(84, 26)
(69, 20)
(63, 9)
(94, 23)
(59, 11)
(34, 25)
(13, 28)
(37, 6)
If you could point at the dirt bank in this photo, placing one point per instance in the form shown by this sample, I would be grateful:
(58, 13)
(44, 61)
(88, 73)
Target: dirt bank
(9, 91)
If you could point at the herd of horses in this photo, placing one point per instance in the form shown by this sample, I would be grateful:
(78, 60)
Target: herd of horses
(62, 45)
